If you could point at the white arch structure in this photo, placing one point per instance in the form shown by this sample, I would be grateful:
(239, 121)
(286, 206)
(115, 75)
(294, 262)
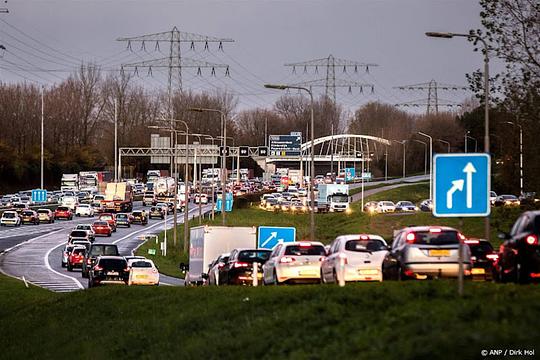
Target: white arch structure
(337, 138)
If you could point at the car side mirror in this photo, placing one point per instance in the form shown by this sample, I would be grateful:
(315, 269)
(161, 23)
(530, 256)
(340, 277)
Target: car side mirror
(503, 236)
(183, 267)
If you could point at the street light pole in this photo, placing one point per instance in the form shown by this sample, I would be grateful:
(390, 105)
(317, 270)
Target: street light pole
(486, 97)
(115, 142)
(213, 179)
(223, 157)
(42, 135)
(312, 167)
(445, 142)
(430, 163)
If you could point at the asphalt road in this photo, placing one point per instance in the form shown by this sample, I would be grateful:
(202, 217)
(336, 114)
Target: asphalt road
(415, 178)
(38, 258)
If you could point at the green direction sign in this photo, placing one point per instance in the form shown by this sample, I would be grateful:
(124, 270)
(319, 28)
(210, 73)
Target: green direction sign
(151, 251)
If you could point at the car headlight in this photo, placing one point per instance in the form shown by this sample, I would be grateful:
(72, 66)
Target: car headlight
(348, 211)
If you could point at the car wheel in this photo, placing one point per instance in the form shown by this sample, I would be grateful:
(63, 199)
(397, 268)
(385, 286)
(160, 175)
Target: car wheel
(84, 274)
(63, 265)
(275, 279)
(109, 234)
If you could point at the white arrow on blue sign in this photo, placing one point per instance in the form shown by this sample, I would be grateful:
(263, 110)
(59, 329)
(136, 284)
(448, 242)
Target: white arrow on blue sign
(461, 185)
(270, 236)
(39, 195)
(228, 202)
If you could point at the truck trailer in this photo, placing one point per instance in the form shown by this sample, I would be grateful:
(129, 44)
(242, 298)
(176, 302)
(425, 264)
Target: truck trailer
(118, 197)
(208, 242)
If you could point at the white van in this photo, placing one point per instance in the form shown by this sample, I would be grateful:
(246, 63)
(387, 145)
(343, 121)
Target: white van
(70, 201)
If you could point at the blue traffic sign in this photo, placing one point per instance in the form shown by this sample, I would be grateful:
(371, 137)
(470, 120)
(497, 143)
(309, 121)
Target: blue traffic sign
(228, 202)
(270, 236)
(39, 196)
(461, 185)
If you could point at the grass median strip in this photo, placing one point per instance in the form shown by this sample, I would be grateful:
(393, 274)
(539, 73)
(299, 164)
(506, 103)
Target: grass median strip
(391, 320)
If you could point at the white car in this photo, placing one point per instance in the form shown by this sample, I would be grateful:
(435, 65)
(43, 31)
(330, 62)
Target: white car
(201, 198)
(142, 272)
(492, 197)
(298, 262)
(10, 218)
(70, 201)
(354, 258)
(84, 210)
(87, 227)
(385, 206)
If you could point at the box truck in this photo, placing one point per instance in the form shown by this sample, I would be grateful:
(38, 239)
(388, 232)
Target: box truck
(333, 198)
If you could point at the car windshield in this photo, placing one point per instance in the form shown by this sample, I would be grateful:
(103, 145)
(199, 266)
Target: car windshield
(62, 208)
(104, 250)
(84, 206)
(305, 250)
(43, 212)
(364, 245)
(78, 233)
(27, 213)
(436, 238)
(113, 264)
(121, 216)
(79, 251)
(137, 213)
(100, 223)
(141, 264)
(406, 203)
(259, 256)
(340, 198)
(481, 249)
(388, 203)
(105, 217)
(509, 197)
(9, 215)
(83, 227)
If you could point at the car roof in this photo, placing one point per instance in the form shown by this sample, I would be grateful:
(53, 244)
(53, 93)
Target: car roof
(357, 237)
(427, 227)
(297, 243)
(110, 257)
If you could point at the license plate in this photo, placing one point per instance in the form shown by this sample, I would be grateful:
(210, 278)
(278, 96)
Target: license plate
(141, 276)
(112, 273)
(478, 271)
(306, 273)
(368, 272)
(439, 253)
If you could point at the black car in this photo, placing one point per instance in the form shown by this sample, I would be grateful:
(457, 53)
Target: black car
(139, 217)
(79, 235)
(93, 252)
(483, 259)
(239, 269)
(123, 219)
(108, 270)
(156, 212)
(519, 254)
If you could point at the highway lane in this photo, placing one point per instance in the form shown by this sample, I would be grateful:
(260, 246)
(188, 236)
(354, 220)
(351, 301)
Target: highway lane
(39, 259)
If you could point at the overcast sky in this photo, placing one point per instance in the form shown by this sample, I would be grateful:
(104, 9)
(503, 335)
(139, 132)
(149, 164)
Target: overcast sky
(267, 35)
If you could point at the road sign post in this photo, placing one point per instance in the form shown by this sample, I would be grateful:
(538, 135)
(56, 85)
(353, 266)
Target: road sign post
(461, 185)
(270, 236)
(39, 196)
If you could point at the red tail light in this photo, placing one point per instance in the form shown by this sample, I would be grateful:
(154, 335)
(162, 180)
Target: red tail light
(240, 264)
(98, 268)
(492, 257)
(410, 238)
(89, 261)
(126, 269)
(287, 259)
(531, 240)
(435, 230)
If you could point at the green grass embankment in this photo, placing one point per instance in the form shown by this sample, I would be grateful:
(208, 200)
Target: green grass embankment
(391, 320)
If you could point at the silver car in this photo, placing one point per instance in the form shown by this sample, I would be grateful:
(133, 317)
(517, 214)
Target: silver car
(298, 262)
(422, 252)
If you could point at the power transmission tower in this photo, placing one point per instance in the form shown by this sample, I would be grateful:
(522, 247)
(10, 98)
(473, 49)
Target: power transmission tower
(433, 101)
(329, 82)
(174, 62)
(3, 11)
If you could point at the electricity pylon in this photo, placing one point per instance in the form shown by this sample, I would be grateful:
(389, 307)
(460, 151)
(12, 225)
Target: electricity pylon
(433, 101)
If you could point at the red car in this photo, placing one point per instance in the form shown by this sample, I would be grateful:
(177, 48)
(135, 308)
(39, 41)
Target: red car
(110, 218)
(63, 212)
(76, 258)
(101, 228)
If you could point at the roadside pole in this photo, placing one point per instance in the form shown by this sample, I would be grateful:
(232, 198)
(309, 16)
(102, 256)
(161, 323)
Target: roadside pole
(255, 274)
(460, 255)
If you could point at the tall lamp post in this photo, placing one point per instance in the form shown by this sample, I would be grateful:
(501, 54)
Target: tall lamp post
(445, 142)
(312, 167)
(402, 142)
(520, 154)
(430, 163)
(425, 154)
(467, 136)
(449, 35)
(42, 136)
(210, 137)
(186, 189)
(223, 156)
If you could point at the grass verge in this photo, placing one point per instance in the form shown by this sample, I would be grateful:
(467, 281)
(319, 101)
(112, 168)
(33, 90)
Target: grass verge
(391, 320)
